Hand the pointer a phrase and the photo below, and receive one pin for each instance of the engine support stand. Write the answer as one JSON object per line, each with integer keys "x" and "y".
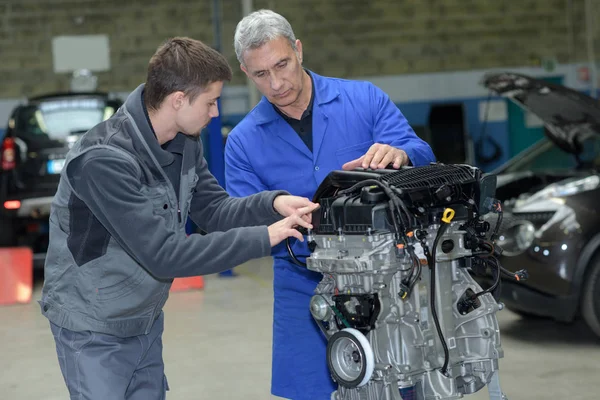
{"x": 494, "y": 387}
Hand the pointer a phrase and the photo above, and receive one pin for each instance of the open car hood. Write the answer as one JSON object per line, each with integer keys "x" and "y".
{"x": 569, "y": 116}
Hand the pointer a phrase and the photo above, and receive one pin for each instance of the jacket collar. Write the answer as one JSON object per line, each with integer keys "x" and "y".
{"x": 325, "y": 91}
{"x": 136, "y": 107}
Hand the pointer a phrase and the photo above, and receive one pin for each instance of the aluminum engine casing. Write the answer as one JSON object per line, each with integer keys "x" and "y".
{"x": 406, "y": 347}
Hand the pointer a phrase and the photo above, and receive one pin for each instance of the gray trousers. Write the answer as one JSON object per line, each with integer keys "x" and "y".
{"x": 99, "y": 366}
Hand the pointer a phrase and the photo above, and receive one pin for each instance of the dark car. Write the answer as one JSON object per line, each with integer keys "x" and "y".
{"x": 551, "y": 200}
{"x": 32, "y": 154}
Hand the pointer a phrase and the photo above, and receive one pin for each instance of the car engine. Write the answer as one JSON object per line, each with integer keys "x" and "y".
{"x": 403, "y": 316}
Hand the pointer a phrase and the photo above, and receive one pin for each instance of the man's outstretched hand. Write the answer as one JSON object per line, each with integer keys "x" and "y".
{"x": 298, "y": 212}
{"x": 287, "y": 205}
{"x": 285, "y": 228}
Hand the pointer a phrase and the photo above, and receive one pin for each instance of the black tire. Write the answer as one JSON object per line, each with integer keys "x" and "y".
{"x": 590, "y": 299}
{"x": 7, "y": 232}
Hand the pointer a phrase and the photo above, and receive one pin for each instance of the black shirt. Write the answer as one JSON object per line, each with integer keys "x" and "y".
{"x": 303, "y": 126}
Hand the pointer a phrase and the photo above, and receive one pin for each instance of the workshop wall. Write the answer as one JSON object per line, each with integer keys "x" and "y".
{"x": 390, "y": 37}
{"x": 421, "y": 52}
{"x": 344, "y": 38}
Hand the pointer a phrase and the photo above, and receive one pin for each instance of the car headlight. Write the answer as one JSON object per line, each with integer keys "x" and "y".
{"x": 517, "y": 237}
{"x": 576, "y": 186}
{"x": 569, "y": 188}
{"x": 550, "y": 198}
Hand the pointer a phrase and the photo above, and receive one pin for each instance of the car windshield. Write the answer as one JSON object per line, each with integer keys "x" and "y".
{"x": 545, "y": 155}
{"x": 59, "y": 118}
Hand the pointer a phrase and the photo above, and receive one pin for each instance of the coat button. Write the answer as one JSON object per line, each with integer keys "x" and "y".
{"x": 317, "y": 168}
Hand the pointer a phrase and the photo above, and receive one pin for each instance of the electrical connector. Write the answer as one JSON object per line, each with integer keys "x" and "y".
{"x": 521, "y": 275}
{"x": 403, "y": 291}
{"x": 493, "y": 205}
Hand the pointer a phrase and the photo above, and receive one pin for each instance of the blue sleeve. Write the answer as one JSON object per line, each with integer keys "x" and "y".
{"x": 391, "y": 127}
{"x": 240, "y": 178}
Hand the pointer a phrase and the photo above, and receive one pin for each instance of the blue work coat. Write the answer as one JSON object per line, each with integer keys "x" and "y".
{"x": 264, "y": 153}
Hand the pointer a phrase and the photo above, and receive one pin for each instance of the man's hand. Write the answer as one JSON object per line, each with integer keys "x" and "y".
{"x": 288, "y": 205}
{"x": 379, "y": 156}
{"x": 285, "y": 228}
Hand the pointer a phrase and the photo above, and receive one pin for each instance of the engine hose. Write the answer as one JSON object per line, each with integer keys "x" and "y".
{"x": 432, "y": 265}
{"x": 395, "y": 201}
{"x": 368, "y": 182}
{"x": 518, "y": 276}
{"x": 400, "y": 203}
{"x": 417, "y": 275}
{"x": 392, "y": 208}
{"x": 498, "y": 223}
{"x": 491, "y": 261}
{"x": 389, "y": 191}
{"x": 291, "y": 253}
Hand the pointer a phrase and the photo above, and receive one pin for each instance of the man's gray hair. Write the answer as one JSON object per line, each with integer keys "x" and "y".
{"x": 259, "y": 27}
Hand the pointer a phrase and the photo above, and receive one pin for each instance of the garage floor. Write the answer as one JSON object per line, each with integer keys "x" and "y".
{"x": 217, "y": 346}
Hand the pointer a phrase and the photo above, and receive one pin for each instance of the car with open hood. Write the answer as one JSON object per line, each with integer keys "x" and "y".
{"x": 550, "y": 195}
{"x": 40, "y": 132}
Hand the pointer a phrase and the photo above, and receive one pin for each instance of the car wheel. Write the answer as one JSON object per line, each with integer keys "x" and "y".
{"x": 7, "y": 234}
{"x": 590, "y": 301}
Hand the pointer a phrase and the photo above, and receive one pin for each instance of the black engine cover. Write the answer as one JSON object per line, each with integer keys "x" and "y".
{"x": 424, "y": 191}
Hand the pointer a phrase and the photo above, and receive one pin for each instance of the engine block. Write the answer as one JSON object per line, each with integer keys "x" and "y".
{"x": 403, "y": 315}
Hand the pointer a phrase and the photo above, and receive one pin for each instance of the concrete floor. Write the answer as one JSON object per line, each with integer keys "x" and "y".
{"x": 217, "y": 345}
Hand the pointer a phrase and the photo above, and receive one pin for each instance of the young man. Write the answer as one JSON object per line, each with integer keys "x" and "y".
{"x": 304, "y": 127}
{"x": 117, "y": 226}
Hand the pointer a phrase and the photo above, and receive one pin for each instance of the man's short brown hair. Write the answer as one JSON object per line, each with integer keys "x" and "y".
{"x": 186, "y": 65}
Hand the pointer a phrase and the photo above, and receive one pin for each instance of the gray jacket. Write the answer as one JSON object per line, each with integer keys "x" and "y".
{"x": 117, "y": 227}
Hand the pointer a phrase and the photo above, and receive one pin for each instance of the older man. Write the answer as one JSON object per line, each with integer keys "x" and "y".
{"x": 304, "y": 127}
